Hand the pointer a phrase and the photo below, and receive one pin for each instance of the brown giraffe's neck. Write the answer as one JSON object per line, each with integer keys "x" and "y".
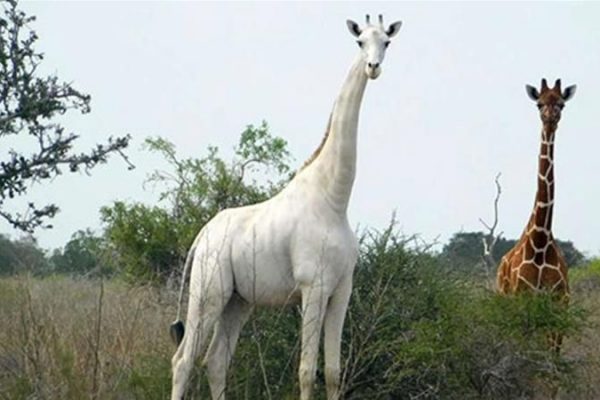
{"x": 541, "y": 218}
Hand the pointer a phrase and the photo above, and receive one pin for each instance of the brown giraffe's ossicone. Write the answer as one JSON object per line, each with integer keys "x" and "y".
{"x": 536, "y": 262}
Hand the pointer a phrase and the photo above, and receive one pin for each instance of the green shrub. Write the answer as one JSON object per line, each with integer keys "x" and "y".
{"x": 417, "y": 331}
{"x": 586, "y": 278}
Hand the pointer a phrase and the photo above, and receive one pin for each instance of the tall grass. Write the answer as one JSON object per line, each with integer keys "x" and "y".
{"x": 67, "y": 339}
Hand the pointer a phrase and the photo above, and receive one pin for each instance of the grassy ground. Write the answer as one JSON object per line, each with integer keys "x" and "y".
{"x": 62, "y": 338}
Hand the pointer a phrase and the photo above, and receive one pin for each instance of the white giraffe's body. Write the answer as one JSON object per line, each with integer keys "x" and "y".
{"x": 295, "y": 247}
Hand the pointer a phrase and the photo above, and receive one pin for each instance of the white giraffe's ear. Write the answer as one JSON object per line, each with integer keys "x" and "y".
{"x": 393, "y": 29}
{"x": 532, "y": 92}
{"x": 568, "y": 93}
{"x": 353, "y": 27}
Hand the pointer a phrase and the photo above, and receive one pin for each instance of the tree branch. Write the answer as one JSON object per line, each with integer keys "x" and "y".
{"x": 491, "y": 238}
{"x": 28, "y": 105}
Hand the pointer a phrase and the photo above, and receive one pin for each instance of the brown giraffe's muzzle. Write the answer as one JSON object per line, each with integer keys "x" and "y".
{"x": 551, "y": 114}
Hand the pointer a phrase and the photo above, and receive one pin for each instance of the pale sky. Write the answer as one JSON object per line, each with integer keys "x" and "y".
{"x": 448, "y": 112}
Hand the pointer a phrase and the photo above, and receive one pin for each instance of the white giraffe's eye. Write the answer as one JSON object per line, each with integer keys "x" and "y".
{"x": 386, "y": 44}
{"x": 360, "y": 44}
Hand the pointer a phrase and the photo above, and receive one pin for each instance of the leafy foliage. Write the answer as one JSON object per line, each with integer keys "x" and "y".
{"x": 573, "y": 256}
{"x": 29, "y": 107}
{"x": 482, "y": 345}
{"x": 146, "y": 240}
{"x": 416, "y": 330}
{"x": 151, "y": 242}
{"x": 586, "y": 278}
{"x": 201, "y": 187}
{"x": 21, "y": 255}
{"x": 84, "y": 254}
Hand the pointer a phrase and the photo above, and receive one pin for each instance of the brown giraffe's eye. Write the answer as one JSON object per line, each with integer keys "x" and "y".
{"x": 539, "y": 105}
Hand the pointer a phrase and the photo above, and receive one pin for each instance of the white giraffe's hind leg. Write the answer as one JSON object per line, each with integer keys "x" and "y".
{"x": 187, "y": 352}
{"x": 206, "y": 304}
{"x": 224, "y": 341}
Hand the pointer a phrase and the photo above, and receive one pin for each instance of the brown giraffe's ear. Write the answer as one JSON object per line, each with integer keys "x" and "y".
{"x": 393, "y": 29}
{"x": 532, "y": 92}
{"x": 353, "y": 27}
{"x": 568, "y": 93}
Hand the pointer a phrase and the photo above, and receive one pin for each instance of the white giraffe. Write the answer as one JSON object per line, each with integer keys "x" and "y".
{"x": 296, "y": 246}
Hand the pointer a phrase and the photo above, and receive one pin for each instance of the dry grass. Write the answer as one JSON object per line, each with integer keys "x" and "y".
{"x": 67, "y": 339}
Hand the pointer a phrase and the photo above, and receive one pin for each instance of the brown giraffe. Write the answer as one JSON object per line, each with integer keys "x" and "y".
{"x": 536, "y": 262}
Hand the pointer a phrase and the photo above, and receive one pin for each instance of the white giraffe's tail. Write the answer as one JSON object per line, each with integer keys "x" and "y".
{"x": 177, "y": 328}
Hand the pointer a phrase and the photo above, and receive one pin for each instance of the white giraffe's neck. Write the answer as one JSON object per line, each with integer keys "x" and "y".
{"x": 334, "y": 168}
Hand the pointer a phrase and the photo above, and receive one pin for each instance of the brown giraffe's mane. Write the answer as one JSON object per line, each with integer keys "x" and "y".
{"x": 316, "y": 153}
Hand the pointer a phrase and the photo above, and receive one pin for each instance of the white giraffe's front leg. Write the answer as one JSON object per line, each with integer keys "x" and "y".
{"x": 333, "y": 325}
{"x": 314, "y": 302}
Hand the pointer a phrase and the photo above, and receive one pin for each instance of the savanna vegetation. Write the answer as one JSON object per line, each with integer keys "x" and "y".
{"x": 90, "y": 319}
{"x": 414, "y": 330}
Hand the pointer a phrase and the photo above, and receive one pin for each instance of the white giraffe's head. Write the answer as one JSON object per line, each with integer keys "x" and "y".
{"x": 373, "y": 41}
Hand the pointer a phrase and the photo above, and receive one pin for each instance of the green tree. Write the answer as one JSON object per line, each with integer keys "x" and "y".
{"x": 573, "y": 256}
{"x": 84, "y": 254}
{"x": 29, "y": 108}
{"x": 21, "y": 255}
{"x": 146, "y": 240}
{"x": 464, "y": 252}
{"x": 151, "y": 241}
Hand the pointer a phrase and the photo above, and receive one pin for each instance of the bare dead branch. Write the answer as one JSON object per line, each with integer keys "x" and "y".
{"x": 491, "y": 238}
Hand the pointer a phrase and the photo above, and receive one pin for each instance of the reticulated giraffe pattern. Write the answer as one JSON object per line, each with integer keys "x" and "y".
{"x": 536, "y": 262}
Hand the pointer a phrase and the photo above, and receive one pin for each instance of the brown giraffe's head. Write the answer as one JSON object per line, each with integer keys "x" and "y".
{"x": 550, "y": 101}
